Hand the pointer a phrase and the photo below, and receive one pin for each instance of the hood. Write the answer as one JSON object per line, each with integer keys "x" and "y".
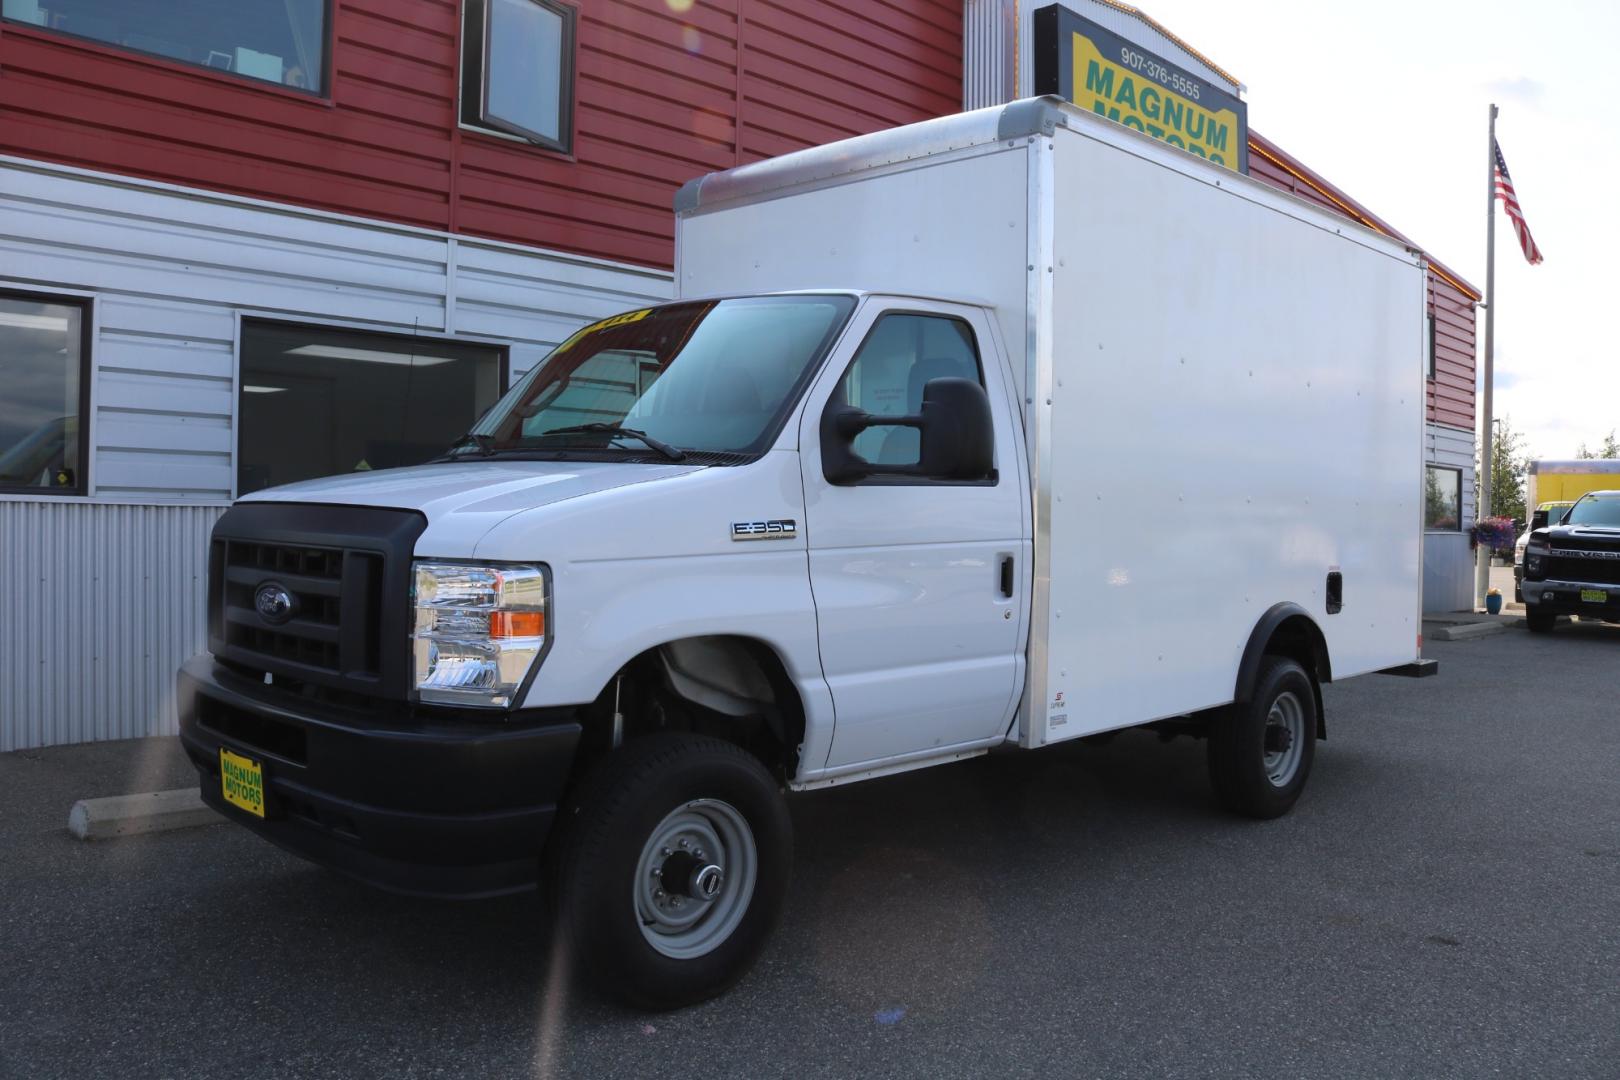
{"x": 479, "y": 492}
{"x": 1596, "y": 536}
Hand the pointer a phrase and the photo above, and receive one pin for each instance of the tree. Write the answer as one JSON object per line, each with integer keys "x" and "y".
{"x": 1610, "y": 449}
{"x": 1509, "y": 463}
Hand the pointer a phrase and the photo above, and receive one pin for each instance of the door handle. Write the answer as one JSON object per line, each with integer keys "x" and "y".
{"x": 1006, "y": 575}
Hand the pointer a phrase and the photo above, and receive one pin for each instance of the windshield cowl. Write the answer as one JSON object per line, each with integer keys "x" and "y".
{"x": 622, "y": 455}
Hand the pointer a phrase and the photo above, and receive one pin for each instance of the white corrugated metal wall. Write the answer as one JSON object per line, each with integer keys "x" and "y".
{"x": 101, "y": 597}
{"x": 989, "y": 55}
{"x": 100, "y": 603}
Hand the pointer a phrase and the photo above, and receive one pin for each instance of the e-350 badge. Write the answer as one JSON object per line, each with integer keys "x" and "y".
{"x": 780, "y": 529}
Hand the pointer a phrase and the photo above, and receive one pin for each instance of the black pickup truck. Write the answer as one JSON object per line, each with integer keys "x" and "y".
{"x": 1574, "y": 568}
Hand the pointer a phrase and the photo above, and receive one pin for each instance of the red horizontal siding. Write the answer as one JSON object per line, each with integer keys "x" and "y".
{"x": 378, "y": 149}
{"x": 1451, "y": 390}
{"x": 661, "y": 97}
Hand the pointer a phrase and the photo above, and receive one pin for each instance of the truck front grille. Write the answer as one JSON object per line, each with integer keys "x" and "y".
{"x": 314, "y": 578}
{"x": 337, "y": 579}
{"x": 1599, "y": 571}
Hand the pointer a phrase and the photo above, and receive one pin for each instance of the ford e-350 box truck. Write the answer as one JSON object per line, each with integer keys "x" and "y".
{"x": 987, "y": 432}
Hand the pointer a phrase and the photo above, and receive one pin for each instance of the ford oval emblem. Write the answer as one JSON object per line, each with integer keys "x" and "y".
{"x": 274, "y": 602}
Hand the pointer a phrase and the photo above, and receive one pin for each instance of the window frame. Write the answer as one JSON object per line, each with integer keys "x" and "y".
{"x": 472, "y": 113}
{"x": 247, "y": 320}
{"x": 86, "y": 306}
{"x": 837, "y": 397}
{"x": 1429, "y": 466}
{"x": 323, "y": 96}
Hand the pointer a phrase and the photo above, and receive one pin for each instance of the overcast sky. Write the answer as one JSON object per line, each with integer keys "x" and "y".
{"x": 1388, "y": 99}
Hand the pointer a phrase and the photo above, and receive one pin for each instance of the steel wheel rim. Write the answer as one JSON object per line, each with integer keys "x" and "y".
{"x": 1285, "y": 722}
{"x": 697, "y": 836}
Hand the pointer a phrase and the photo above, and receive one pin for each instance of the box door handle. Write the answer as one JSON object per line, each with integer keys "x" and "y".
{"x": 1006, "y": 575}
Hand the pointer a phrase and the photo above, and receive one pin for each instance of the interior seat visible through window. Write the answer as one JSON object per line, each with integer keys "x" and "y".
{"x": 902, "y": 354}
{"x": 903, "y": 445}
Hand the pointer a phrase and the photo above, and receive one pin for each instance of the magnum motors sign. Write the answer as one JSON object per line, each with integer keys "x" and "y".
{"x": 1101, "y": 71}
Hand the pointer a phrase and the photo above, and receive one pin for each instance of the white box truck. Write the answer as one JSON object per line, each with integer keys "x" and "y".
{"x": 984, "y": 433}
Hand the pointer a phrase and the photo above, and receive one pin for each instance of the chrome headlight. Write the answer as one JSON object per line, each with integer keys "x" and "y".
{"x": 478, "y": 631}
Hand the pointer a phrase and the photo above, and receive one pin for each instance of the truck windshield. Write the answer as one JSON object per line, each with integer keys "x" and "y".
{"x": 710, "y": 376}
{"x": 1599, "y": 510}
{"x": 1556, "y": 511}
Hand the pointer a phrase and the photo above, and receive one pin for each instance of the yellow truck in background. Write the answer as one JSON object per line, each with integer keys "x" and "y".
{"x": 1550, "y": 489}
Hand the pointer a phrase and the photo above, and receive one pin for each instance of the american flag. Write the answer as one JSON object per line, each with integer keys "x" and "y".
{"x": 1510, "y": 203}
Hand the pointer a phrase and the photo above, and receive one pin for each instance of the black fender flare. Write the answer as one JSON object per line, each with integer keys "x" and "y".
{"x": 1306, "y": 644}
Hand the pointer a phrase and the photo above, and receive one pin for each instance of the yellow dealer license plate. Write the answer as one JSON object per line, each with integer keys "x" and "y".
{"x": 242, "y": 781}
{"x": 1595, "y": 596}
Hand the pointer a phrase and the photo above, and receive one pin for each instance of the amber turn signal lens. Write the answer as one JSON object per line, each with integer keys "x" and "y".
{"x": 513, "y": 624}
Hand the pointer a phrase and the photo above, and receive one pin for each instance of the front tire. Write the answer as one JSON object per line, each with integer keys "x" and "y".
{"x": 674, "y": 863}
{"x": 1539, "y": 622}
{"x": 1261, "y": 750}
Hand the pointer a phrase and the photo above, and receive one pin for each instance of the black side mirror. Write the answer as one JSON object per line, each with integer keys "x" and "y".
{"x": 958, "y": 433}
{"x": 1538, "y": 520}
{"x": 955, "y": 428}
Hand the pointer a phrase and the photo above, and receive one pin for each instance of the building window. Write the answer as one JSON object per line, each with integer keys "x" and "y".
{"x": 44, "y": 387}
{"x": 1442, "y": 499}
{"x": 316, "y": 401}
{"x": 517, "y": 69}
{"x": 274, "y": 41}
{"x": 1431, "y": 346}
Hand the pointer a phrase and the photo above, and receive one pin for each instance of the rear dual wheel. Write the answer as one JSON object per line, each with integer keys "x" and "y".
{"x": 673, "y": 862}
{"x": 1261, "y": 750}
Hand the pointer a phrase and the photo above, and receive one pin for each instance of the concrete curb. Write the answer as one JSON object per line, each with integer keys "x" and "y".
{"x": 1466, "y": 631}
{"x": 130, "y": 815}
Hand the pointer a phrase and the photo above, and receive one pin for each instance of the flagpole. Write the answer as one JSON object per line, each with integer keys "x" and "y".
{"x": 1482, "y": 557}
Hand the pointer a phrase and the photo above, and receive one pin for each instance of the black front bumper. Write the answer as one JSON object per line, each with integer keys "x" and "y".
{"x": 454, "y": 807}
{"x": 1564, "y": 598}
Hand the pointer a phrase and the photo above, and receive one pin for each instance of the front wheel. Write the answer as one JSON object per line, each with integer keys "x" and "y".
{"x": 1539, "y": 622}
{"x": 672, "y": 869}
{"x": 1260, "y": 751}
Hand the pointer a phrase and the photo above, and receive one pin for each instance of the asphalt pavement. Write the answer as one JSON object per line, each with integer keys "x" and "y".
{"x": 1444, "y": 901}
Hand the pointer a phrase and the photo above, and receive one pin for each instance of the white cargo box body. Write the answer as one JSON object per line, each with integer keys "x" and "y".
{"x": 1222, "y": 385}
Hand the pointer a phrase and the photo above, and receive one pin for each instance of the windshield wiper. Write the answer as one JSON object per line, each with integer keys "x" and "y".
{"x": 484, "y": 443}
{"x": 618, "y": 429}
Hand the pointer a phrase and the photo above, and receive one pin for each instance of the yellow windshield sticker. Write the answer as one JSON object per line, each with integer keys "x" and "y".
{"x": 620, "y": 320}
{"x": 606, "y": 324}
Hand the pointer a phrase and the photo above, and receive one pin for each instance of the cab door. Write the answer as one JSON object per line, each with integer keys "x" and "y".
{"x": 919, "y": 583}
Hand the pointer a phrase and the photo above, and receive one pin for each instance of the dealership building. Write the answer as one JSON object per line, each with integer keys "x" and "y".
{"x": 248, "y": 242}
